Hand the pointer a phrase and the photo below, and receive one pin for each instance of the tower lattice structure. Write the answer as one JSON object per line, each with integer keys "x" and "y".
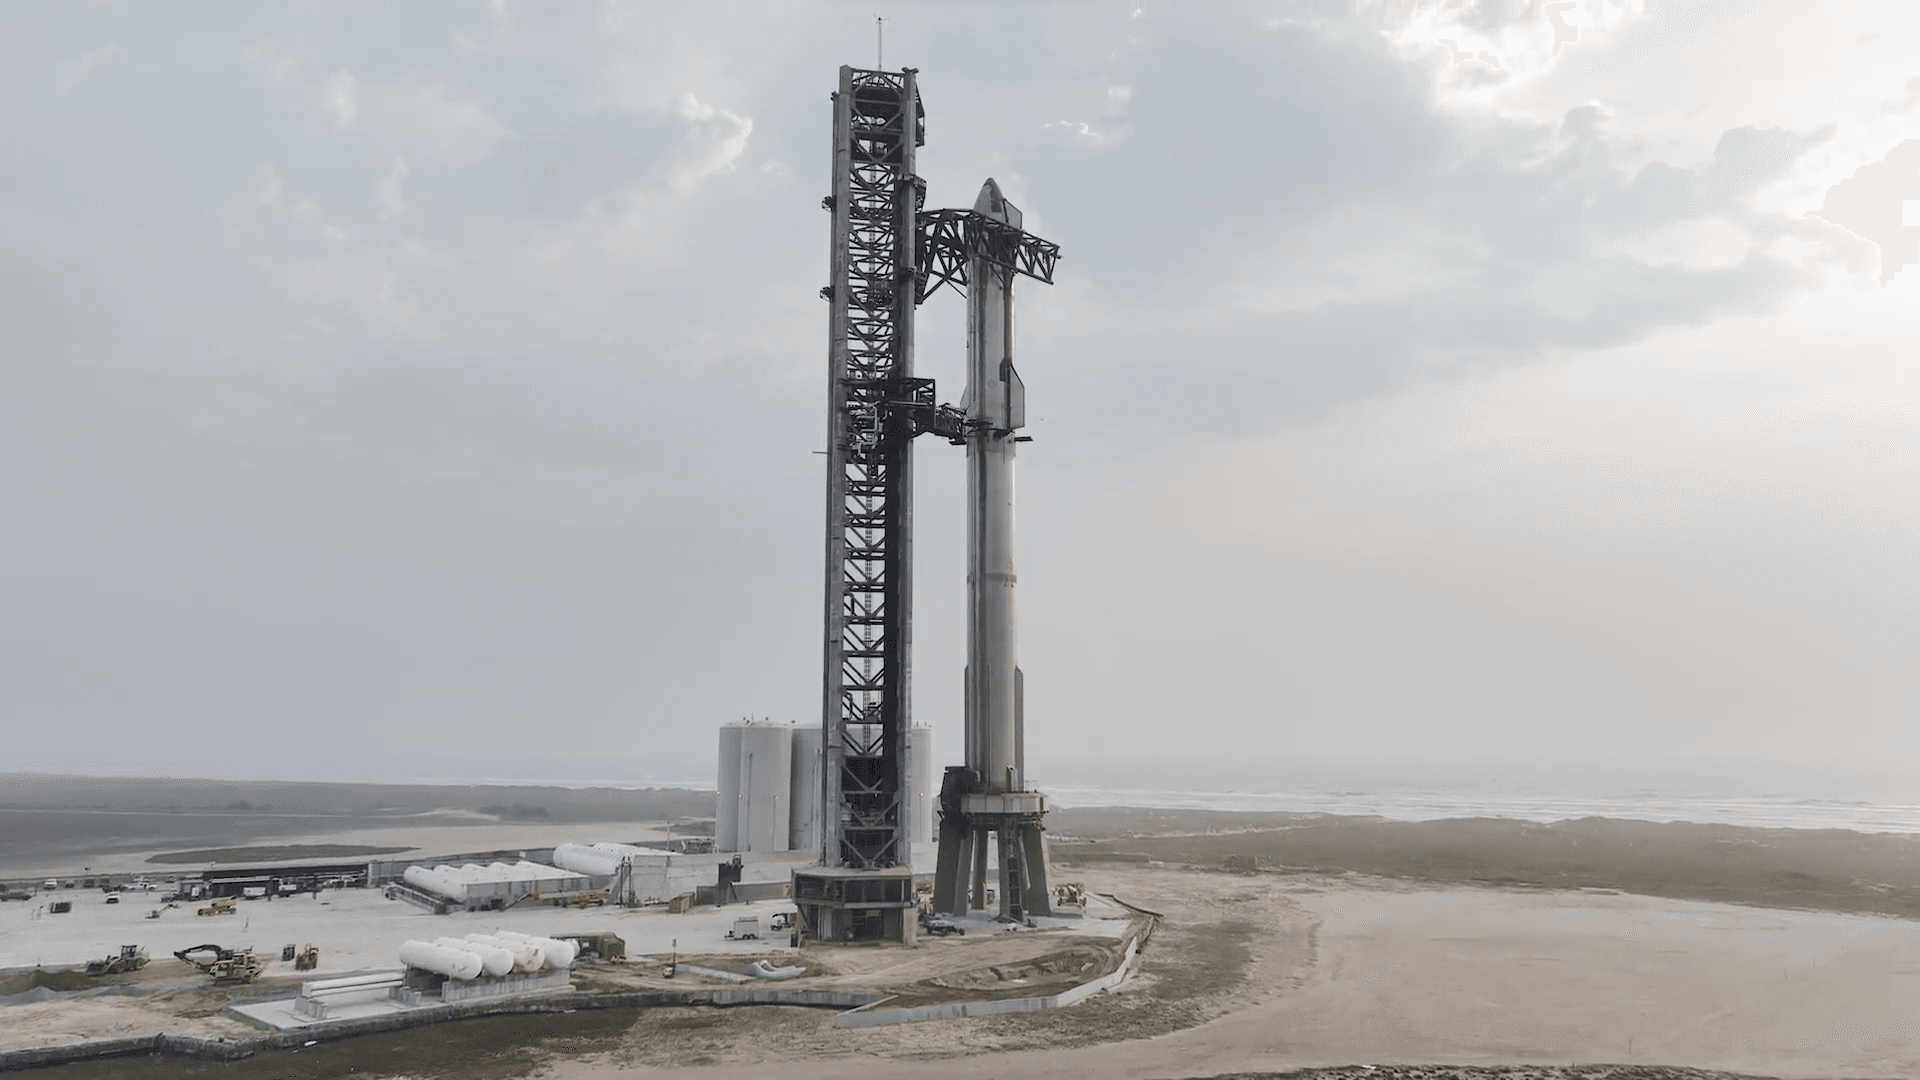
{"x": 887, "y": 256}
{"x": 877, "y": 126}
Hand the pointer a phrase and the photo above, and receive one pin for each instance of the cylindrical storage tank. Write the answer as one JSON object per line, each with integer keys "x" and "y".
{"x": 923, "y": 798}
{"x": 436, "y": 882}
{"x": 494, "y": 960}
{"x": 559, "y": 953}
{"x": 766, "y": 771}
{"x": 726, "y": 819}
{"x": 586, "y": 860}
{"x": 803, "y": 791}
{"x": 526, "y": 955}
{"x": 453, "y": 963}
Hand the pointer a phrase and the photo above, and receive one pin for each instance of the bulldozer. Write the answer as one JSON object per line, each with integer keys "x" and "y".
{"x": 221, "y": 905}
{"x": 224, "y": 965}
{"x": 130, "y": 958}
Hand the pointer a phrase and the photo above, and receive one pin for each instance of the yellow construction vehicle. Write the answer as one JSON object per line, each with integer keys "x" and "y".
{"x": 307, "y": 958}
{"x": 224, "y": 965}
{"x": 221, "y": 905}
{"x": 131, "y": 958}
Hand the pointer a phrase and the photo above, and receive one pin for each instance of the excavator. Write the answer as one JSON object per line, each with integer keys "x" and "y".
{"x": 223, "y": 965}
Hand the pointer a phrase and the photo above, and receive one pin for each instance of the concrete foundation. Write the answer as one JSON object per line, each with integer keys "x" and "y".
{"x": 837, "y": 904}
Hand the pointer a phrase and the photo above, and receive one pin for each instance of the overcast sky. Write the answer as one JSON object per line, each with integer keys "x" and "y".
{"x": 431, "y": 389}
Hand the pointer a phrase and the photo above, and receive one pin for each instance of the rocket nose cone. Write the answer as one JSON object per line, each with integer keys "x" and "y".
{"x": 995, "y": 205}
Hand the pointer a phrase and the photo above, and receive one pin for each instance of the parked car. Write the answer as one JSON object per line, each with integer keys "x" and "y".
{"x": 113, "y": 898}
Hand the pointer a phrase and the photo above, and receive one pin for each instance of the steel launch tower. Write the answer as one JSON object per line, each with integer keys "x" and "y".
{"x": 887, "y": 256}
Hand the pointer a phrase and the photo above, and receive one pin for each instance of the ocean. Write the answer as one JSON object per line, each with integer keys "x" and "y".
{"x": 1416, "y": 803}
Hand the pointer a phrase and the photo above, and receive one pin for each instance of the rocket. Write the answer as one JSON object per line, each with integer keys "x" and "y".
{"x": 990, "y": 794}
{"x": 995, "y": 405}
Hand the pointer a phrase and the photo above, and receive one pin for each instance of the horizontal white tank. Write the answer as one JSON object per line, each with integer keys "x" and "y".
{"x": 453, "y": 963}
{"x": 559, "y": 953}
{"x": 436, "y": 881}
{"x": 523, "y": 956}
{"x": 586, "y": 860}
{"x": 494, "y": 960}
{"x": 456, "y": 882}
{"x": 627, "y": 851}
{"x": 803, "y": 790}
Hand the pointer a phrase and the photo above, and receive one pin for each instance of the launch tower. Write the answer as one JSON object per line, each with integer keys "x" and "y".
{"x": 887, "y": 256}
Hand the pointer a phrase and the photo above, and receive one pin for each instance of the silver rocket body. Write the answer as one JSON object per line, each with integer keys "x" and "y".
{"x": 995, "y": 406}
{"x": 996, "y": 799}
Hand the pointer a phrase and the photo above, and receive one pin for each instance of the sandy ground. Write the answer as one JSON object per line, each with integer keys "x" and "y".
{"x": 1343, "y": 972}
{"x": 1249, "y": 973}
{"x": 485, "y": 835}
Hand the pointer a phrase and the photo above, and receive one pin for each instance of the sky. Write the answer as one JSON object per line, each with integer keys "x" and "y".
{"x": 433, "y": 390}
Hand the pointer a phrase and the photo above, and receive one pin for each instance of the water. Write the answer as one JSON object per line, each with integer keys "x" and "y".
{"x": 1435, "y": 802}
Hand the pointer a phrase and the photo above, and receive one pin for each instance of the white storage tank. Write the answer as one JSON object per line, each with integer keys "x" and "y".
{"x": 586, "y": 860}
{"x": 765, "y": 776}
{"x": 726, "y": 819}
{"x": 803, "y": 793}
{"x": 923, "y": 793}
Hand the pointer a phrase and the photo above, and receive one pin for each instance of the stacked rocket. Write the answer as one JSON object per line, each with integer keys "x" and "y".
{"x": 989, "y": 794}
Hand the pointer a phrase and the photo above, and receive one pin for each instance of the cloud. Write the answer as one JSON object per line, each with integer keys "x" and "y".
{"x": 1474, "y": 46}
{"x": 614, "y": 154}
{"x": 714, "y": 142}
{"x": 419, "y": 116}
{"x": 390, "y": 197}
{"x": 390, "y": 352}
{"x": 1686, "y": 547}
{"x": 1873, "y": 204}
{"x": 76, "y": 74}
{"x": 1351, "y": 235}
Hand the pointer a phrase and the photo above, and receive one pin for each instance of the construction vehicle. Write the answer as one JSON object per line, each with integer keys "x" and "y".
{"x": 941, "y": 926}
{"x": 131, "y": 958}
{"x": 221, "y": 905}
{"x": 307, "y": 958}
{"x": 223, "y": 965}
{"x": 574, "y": 898}
{"x": 597, "y": 946}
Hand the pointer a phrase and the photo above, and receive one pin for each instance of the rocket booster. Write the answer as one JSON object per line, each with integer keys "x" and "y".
{"x": 995, "y": 408}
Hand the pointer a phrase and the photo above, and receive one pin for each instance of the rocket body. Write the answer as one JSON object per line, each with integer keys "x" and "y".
{"x": 994, "y": 801}
{"x": 995, "y": 408}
